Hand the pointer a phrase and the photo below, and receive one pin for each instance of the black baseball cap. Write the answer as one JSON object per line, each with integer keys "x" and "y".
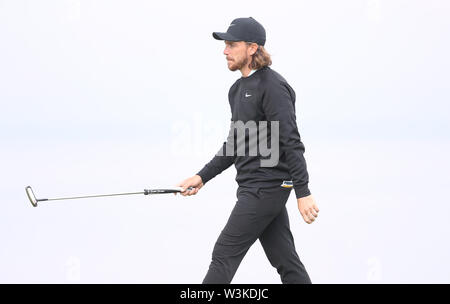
{"x": 243, "y": 29}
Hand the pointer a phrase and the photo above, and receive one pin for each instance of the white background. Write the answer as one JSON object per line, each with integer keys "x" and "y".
{"x": 117, "y": 96}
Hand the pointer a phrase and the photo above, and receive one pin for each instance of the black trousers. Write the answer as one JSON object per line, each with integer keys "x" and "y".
{"x": 259, "y": 213}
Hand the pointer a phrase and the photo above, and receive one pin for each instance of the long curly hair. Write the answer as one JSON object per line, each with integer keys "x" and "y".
{"x": 260, "y": 59}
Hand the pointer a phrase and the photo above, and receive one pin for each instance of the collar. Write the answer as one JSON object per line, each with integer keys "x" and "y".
{"x": 251, "y": 72}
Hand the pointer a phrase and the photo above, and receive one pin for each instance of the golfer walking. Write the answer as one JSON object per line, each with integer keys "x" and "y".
{"x": 260, "y": 95}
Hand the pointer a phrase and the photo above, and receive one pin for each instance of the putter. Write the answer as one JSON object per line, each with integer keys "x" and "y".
{"x": 34, "y": 201}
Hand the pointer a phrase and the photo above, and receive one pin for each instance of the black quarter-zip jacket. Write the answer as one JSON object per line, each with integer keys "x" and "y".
{"x": 264, "y": 96}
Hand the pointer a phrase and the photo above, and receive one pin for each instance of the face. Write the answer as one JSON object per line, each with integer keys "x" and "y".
{"x": 238, "y": 54}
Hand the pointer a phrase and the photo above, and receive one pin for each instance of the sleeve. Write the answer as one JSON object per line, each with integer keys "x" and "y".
{"x": 278, "y": 105}
{"x": 223, "y": 159}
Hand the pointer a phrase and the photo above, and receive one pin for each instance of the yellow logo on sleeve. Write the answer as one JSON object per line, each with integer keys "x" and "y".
{"x": 287, "y": 184}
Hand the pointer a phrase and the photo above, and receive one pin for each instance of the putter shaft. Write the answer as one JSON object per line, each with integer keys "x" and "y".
{"x": 86, "y": 196}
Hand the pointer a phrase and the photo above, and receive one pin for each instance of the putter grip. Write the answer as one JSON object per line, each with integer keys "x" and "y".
{"x": 162, "y": 191}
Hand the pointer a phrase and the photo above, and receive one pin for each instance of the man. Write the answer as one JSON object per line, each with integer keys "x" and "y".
{"x": 260, "y": 95}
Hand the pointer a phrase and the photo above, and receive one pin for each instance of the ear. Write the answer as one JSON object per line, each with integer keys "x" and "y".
{"x": 252, "y": 49}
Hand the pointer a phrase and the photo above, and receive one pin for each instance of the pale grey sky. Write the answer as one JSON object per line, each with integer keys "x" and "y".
{"x": 111, "y": 96}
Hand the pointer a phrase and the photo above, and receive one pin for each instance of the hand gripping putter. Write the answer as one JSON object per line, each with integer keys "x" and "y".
{"x": 34, "y": 201}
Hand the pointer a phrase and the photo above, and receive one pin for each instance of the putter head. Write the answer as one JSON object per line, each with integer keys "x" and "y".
{"x": 31, "y": 196}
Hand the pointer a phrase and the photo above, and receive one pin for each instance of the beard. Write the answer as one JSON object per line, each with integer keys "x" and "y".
{"x": 237, "y": 65}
